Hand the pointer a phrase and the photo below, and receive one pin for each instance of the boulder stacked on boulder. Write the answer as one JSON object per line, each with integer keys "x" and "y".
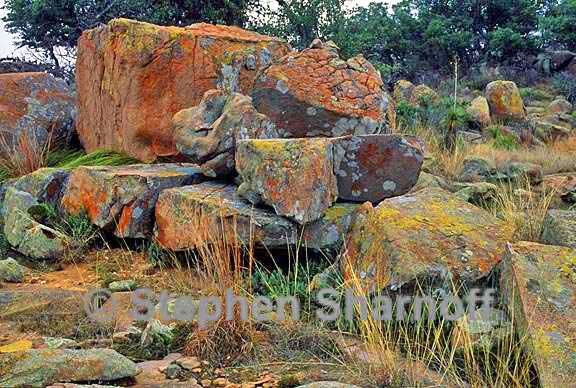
{"x": 132, "y": 77}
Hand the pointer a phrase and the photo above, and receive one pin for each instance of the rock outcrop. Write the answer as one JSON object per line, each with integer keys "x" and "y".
{"x": 430, "y": 236}
{"x": 122, "y": 199}
{"x": 207, "y": 134}
{"x": 537, "y": 286}
{"x": 35, "y": 107}
{"x": 314, "y": 93}
{"x": 132, "y": 77}
{"x": 504, "y": 100}
{"x": 190, "y": 216}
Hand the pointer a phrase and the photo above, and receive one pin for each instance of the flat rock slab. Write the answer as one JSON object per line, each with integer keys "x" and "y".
{"x": 39, "y": 368}
{"x": 122, "y": 199}
{"x": 293, "y": 176}
{"x": 132, "y": 77}
{"x": 187, "y": 217}
{"x": 431, "y": 236}
{"x": 538, "y": 285}
{"x": 375, "y": 167}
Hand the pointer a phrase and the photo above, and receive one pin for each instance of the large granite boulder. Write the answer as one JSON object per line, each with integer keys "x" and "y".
{"x": 188, "y": 217}
{"x": 537, "y": 285}
{"x": 122, "y": 199}
{"x": 375, "y": 167}
{"x": 207, "y": 133}
{"x": 37, "y": 106}
{"x": 293, "y": 176}
{"x": 504, "y": 100}
{"x": 313, "y": 92}
{"x": 132, "y": 77}
{"x": 43, "y": 367}
{"x": 430, "y": 236}
{"x": 24, "y": 233}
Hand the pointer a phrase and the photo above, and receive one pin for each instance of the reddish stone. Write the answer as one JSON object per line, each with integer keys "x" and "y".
{"x": 132, "y": 77}
{"x": 315, "y": 93}
{"x": 375, "y": 167}
{"x": 36, "y": 104}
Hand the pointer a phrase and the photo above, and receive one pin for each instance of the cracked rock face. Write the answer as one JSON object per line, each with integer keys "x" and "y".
{"x": 122, "y": 199}
{"x": 314, "y": 93}
{"x": 35, "y": 104}
{"x": 187, "y": 217}
{"x": 132, "y": 77}
{"x": 431, "y": 236}
{"x": 294, "y": 176}
{"x": 207, "y": 134}
{"x": 375, "y": 167}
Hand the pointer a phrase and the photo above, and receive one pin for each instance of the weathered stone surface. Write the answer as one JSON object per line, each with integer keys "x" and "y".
{"x": 329, "y": 232}
{"x": 122, "y": 199}
{"x": 39, "y": 368}
{"x": 11, "y": 271}
{"x": 403, "y": 91}
{"x": 476, "y": 193}
{"x": 480, "y": 111}
{"x": 424, "y": 94}
{"x": 37, "y": 105}
{"x": 476, "y": 169}
{"x": 374, "y": 167}
{"x": 294, "y": 176}
{"x": 537, "y": 286}
{"x": 560, "y": 105}
{"x": 560, "y": 228}
{"x": 314, "y": 93}
{"x": 429, "y": 236}
{"x": 564, "y": 186}
{"x": 504, "y": 100}
{"x": 515, "y": 171}
{"x": 328, "y": 384}
{"x": 25, "y": 234}
{"x": 133, "y": 77}
{"x": 186, "y": 216}
{"x": 207, "y": 134}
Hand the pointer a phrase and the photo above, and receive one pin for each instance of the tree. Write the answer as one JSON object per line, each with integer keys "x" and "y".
{"x": 558, "y": 25}
{"x": 47, "y": 25}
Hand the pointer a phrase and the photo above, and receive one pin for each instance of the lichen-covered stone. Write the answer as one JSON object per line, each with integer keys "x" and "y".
{"x": 404, "y": 91}
{"x": 477, "y": 193}
{"x": 24, "y": 233}
{"x": 563, "y": 185}
{"x": 428, "y": 236}
{"x": 314, "y": 92}
{"x": 36, "y": 105}
{"x": 560, "y": 228}
{"x": 504, "y": 100}
{"x": 424, "y": 94}
{"x": 207, "y": 134}
{"x": 294, "y": 176}
{"x": 517, "y": 171}
{"x": 330, "y": 231}
{"x": 122, "y": 199}
{"x": 374, "y": 167}
{"x": 476, "y": 169}
{"x": 480, "y": 111}
{"x": 11, "y": 271}
{"x": 538, "y": 286}
{"x": 187, "y": 217}
{"x": 43, "y": 367}
{"x": 133, "y": 77}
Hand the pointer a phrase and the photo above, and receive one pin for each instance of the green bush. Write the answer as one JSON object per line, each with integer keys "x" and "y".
{"x": 503, "y": 140}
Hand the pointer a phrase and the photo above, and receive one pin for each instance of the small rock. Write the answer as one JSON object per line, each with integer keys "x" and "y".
{"x": 480, "y": 111}
{"x": 560, "y": 105}
{"x": 11, "y": 271}
{"x": 173, "y": 371}
{"x": 560, "y": 228}
{"x": 475, "y": 169}
{"x": 122, "y": 286}
{"x": 189, "y": 363}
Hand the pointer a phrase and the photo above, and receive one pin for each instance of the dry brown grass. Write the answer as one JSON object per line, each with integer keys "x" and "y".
{"x": 26, "y": 155}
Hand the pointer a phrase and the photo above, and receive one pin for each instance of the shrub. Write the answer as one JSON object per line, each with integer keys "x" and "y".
{"x": 566, "y": 85}
{"x": 503, "y": 140}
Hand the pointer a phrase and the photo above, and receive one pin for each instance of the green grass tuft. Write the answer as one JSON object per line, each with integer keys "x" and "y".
{"x": 73, "y": 159}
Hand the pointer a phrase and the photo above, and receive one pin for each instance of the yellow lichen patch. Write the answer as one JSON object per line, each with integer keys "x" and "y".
{"x": 17, "y": 346}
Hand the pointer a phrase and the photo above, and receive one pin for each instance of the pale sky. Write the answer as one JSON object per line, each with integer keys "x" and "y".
{"x": 7, "y": 46}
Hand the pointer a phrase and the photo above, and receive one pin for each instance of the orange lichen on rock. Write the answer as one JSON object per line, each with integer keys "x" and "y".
{"x": 132, "y": 77}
